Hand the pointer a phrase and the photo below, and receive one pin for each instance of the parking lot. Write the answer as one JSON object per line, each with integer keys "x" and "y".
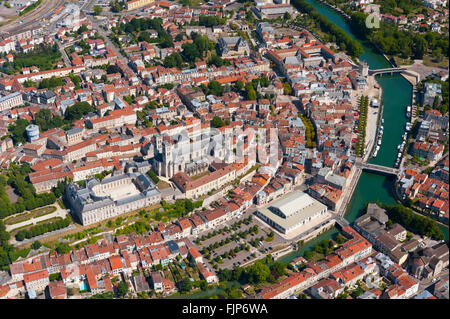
{"x": 241, "y": 257}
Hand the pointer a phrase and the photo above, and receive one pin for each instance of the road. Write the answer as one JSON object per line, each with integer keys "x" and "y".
{"x": 426, "y": 283}
{"x": 109, "y": 44}
{"x": 64, "y": 55}
{"x": 347, "y": 193}
{"x": 59, "y": 212}
{"x": 53, "y": 233}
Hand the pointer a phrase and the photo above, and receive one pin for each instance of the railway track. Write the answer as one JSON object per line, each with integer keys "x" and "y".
{"x": 31, "y": 18}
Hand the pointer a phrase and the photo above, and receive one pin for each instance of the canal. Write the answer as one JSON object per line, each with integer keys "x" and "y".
{"x": 397, "y": 92}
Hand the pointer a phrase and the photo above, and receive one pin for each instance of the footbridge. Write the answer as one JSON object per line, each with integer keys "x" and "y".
{"x": 387, "y": 70}
{"x": 378, "y": 169}
{"x": 341, "y": 221}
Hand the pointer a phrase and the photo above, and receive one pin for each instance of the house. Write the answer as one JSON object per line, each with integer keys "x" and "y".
{"x": 140, "y": 283}
{"x": 232, "y": 47}
{"x": 198, "y": 258}
{"x": 157, "y": 282}
{"x": 57, "y": 290}
{"x": 326, "y": 289}
{"x": 36, "y": 281}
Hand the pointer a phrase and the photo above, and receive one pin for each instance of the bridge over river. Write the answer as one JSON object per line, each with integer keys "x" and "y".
{"x": 378, "y": 168}
{"x": 387, "y": 70}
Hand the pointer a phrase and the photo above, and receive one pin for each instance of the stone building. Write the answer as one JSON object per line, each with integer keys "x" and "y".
{"x": 111, "y": 197}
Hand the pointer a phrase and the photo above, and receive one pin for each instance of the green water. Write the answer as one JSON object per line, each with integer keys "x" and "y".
{"x": 330, "y": 234}
{"x": 371, "y": 188}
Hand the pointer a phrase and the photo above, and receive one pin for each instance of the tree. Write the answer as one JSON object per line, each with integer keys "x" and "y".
{"x": 258, "y": 272}
{"x": 36, "y": 245}
{"x": 215, "y": 88}
{"x": 173, "y": 60}
{"x": 75, "y": 112}
{"x": 239, "y": 85}
{"x": 203, "y": 285}
{"x": 44, "y": 119}
{"x": 190, "y": 52}
{"x": 216, "y": 60}
{"x": 185, "y": 285}
{"x": 287, "y": 90}
{"x": 122, "y": 289}
{"x": 278, "y": 268}
{"x": 97, "y": 10}
{"x": 18, "y": 132}
{"x": 63, "y": 248}
{"x": 112, "y": 69}
{"x": 153, "y": 176}
{"x": 217, "y": 122}
{"x": 251, "y": 93}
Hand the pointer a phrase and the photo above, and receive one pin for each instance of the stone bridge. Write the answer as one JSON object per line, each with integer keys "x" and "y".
{"x": 378, "y": 169}
{"x": 387, "y": 70}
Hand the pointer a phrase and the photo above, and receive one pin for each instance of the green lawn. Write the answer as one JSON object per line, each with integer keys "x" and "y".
{"x": 33, "y": 214}
{"x": 431, "y": 61}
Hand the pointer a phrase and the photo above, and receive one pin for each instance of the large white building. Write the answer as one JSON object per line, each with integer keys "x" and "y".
{"x": 9, "y": 101}
{"x": 111, "y": 197}
{"x": 291, "y": 212}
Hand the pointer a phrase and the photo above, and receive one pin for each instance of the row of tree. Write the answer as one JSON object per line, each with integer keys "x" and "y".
{"x": 135, "y": 26}
{"x": 28, "y": 199}
{"x": 418, "y": 224}
{"x": 42, "y": 229}
{"x": 393, "y": 41}
{"x": 361, "y": 139}
{"x": 258, "y": 273}
{"x": 310, "y": 132}
{"x": 351, "y": 46}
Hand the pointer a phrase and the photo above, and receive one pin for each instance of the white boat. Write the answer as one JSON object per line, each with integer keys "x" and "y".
{"x": 379, "y": 142}
{"x": 378, "y": 148}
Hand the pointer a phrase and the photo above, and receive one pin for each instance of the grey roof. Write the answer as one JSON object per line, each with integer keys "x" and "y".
{"x": 173, "y": 247}
{"x": 74, "y": 130}
{"x": 292, "y": 209}
{"x": 85, "y": 199}
{"x": 336, "y": 179}
{"x": 377, "y": 213}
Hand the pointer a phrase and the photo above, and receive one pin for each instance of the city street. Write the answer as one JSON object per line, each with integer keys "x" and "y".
{"x": 427, "y": 283}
